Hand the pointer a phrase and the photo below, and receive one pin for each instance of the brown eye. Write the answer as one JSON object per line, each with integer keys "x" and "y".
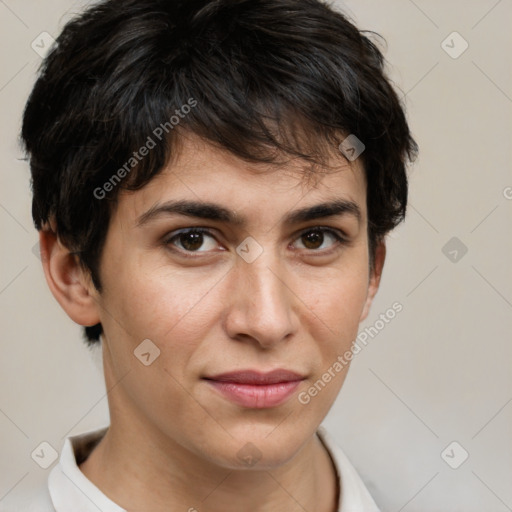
{"x": 191, "y": 240}
{"x": 314, "y": 239}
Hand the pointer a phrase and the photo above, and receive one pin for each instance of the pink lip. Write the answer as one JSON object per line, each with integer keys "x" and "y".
{"x": 256, "y": 390}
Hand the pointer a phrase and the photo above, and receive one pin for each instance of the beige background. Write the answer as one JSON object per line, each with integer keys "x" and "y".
{"x": 439, "y": 372}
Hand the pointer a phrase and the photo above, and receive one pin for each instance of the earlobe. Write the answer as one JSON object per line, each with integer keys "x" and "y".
{"x": 373, "y": 286}
{"x": 67, "y": 280}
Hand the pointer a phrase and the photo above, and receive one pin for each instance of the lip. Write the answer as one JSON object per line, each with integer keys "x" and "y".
{"x": 254, "y": 389}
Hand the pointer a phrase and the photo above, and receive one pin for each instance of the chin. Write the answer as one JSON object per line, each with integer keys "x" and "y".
{"x": 260, "y": 448}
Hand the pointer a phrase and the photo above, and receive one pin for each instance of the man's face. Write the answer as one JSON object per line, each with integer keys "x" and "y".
{"x": 291, "y": 297}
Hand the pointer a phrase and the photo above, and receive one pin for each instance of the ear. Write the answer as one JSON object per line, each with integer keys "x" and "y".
{"x": 373, "y": 286}
{"x": 67, "y": 280}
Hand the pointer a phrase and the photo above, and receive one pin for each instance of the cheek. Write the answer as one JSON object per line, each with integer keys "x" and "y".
{"x": 338, "y": 300}
{"x": 154, "y": 301}
{"x": 166, "y": 307}
{"x": 172, "y": 308}
{"x": 336, "y": 314}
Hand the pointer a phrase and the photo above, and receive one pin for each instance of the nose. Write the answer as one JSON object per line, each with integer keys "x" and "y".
{"x": 261, "y": 307}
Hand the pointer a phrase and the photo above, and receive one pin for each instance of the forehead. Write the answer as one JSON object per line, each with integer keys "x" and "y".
{"x": 201, "y": 172}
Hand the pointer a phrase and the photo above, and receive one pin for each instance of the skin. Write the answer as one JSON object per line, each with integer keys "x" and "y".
{"x": 173, "y": 439}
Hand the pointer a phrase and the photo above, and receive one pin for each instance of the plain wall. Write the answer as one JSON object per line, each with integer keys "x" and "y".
{"x": 439, "y": 372}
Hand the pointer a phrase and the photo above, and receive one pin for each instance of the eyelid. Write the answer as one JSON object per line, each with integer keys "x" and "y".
{"x": 325, "y": 229}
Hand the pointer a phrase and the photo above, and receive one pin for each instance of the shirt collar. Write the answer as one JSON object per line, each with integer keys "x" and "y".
{"x": 69, "y": 488}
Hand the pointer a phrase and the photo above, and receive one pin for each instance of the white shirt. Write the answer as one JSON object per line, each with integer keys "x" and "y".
{"x": 68, "y": 489}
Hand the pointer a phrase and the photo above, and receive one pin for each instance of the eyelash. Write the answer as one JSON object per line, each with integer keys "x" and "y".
{"x": 340, "y": 239}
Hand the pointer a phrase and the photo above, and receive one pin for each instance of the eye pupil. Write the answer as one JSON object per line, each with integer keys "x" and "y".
{"x": 311, "y": 239}
{"x": 196, "y": 240}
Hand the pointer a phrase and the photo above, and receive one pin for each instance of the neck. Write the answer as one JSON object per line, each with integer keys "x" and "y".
{"x": 157, "y": 476}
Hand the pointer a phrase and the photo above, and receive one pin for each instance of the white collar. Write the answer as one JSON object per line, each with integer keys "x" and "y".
{"x": 69, "y": 488}
{"x": 355, "y": 497}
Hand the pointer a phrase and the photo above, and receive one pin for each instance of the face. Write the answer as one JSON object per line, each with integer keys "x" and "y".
{"x": 245, "y": 288}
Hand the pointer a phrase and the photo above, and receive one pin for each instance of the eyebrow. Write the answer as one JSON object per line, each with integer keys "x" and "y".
{"x": 215, "y": 212}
